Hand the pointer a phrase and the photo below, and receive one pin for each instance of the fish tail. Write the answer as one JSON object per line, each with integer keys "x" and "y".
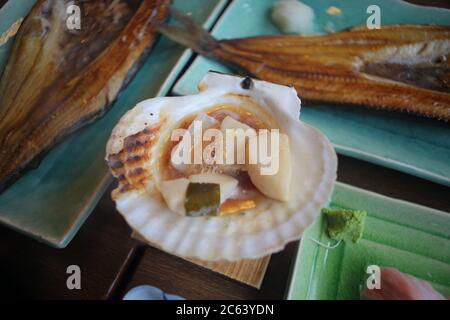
{"x": 190, "y": 34}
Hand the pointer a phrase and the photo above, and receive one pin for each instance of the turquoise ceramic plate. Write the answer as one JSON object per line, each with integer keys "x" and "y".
{"x": 413, "y": 145}
{"x": 51, "y": 202}
{"x": 411, "y": 238}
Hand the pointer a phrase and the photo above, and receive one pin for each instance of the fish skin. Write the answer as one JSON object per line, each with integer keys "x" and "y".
{"x": 330, "y": 68}
{"x": 57, "y": 81}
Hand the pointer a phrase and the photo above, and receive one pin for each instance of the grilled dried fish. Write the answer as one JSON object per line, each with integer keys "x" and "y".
{"x": 402, "y": 68}
{"x": 58, "y": 80}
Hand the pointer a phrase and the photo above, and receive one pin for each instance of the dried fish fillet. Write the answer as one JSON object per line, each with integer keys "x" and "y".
{"x": 58, "y": 80}
{"x": 403, "y": 68}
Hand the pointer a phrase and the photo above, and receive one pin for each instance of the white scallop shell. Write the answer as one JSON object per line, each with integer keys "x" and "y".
{"x": 247, "y": 236}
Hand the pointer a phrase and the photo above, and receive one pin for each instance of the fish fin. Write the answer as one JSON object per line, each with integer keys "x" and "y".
{"x": 190, "y": 34}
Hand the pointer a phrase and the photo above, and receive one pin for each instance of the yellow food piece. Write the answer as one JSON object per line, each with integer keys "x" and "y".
{"x": 334, "y": 11}
{"x": 11, "y": 32}
{"x": 236, "y": 206}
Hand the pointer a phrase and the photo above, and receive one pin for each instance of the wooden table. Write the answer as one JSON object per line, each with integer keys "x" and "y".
{"x": 111, "y": 262}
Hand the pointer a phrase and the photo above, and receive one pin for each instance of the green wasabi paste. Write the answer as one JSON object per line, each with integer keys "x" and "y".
{"x": 343, "y": 224}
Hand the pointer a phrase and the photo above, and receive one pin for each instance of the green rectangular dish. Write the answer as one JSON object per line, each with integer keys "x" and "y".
{"x": 409, "y": 237}
{"x": 51, "y": 202}
{"x": 414, "y": 145}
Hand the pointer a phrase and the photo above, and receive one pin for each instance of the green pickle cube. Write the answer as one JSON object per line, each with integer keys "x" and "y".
{"x": 202, "y": 199}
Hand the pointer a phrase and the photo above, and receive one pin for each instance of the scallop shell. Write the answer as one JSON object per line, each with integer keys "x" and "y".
{"x": 136, "y": 145}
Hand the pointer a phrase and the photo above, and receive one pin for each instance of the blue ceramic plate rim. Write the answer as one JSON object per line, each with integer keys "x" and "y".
{"x": 392, "y": 164}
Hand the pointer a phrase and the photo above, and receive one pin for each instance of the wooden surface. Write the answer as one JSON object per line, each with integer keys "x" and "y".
{"x": 177, "y": 276}
{"x": 111, "y": 262}
{"x": 102, "y": 249}
{"x": 250, "y": 272}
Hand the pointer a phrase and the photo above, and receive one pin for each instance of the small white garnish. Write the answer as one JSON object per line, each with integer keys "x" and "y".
{"x": 326, "y": 246}
{"x": 292, "y": 16}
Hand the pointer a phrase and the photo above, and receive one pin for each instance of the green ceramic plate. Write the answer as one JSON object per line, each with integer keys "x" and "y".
{"x": 51, "y": 202}
{"x": 411, "y": 238}
{"x": 413, "y": 145}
